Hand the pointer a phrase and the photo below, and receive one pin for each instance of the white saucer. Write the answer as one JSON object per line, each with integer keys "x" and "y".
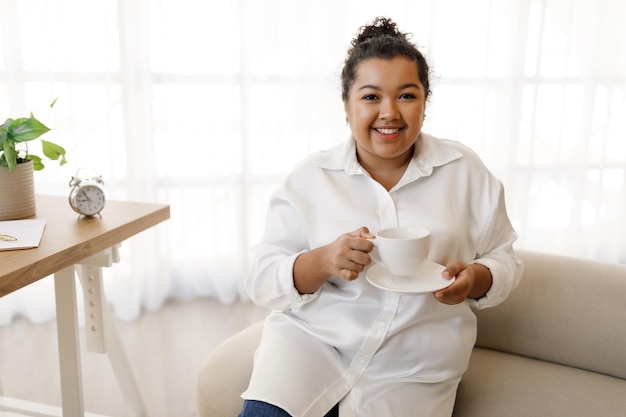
{"x": 427, "y": 280}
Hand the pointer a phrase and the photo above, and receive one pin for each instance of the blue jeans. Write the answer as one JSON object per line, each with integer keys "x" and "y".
{"x": 260, "y": 409}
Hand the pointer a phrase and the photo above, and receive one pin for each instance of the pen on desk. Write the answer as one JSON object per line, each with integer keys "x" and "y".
{"x": 7, "y": 238}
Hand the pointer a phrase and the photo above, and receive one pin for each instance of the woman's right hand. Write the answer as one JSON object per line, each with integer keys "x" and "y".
{"x": 346, "y": 257}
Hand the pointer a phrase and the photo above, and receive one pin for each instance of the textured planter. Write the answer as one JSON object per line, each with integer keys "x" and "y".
{"x": 17, "y": 192}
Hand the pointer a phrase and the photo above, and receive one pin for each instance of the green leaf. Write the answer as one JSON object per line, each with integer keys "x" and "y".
{"x": 3, "y": 136}
{"x": 10, "y": 154}
{"x": 7, "y": 123}
{"x": 37, "y": 163}
{"x": 53, "y": 151}
{"x": 26, "y": 129}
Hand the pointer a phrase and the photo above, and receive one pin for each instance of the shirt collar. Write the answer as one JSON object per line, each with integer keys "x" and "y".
{"x": 430, "y": 153}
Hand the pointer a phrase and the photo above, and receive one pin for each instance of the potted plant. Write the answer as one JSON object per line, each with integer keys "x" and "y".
{"x": 17, "y": 163}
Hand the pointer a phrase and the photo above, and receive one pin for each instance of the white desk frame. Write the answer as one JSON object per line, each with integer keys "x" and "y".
{"x": 101, "y": 337}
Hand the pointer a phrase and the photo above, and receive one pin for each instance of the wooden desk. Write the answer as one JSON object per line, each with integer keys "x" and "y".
{"x": 84, "y": 246}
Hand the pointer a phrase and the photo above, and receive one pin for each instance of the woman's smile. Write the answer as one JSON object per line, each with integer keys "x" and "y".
{"x": 388, "y": 134}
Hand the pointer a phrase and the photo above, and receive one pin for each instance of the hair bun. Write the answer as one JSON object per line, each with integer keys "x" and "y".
{"x": 381, "y": 26}
{"x": 381, "y": 39}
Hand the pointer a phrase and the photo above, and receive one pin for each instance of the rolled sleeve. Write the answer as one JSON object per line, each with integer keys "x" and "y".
{"x": 504, "y": 279}
{"x": 269, "y": 283}
{"x": 294, "y": 299}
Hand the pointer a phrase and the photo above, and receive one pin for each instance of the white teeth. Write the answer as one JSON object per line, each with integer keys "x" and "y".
{"x": 388, "y": 131}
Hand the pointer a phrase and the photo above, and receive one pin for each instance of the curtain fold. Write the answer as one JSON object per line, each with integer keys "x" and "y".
{"x": 207, "y": 105}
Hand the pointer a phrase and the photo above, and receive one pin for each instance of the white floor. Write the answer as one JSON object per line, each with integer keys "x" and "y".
{"x": 166, "y": 349}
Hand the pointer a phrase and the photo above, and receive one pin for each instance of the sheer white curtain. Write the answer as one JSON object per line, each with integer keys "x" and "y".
{"x": 207, "y": 105}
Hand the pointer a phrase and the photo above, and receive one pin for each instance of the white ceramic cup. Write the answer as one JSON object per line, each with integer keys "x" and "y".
{"x": 401, "y": 250}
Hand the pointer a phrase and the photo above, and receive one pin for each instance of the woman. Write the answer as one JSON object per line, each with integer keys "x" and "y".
{"x": 334, "y": 343}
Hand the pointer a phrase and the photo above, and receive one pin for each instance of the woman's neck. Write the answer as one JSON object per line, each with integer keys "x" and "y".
{"x": 387, "y": 172}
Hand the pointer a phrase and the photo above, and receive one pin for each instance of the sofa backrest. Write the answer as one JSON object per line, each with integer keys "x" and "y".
{"x": 565, "y": 310}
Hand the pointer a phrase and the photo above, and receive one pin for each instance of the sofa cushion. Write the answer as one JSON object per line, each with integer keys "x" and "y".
{"x": 505, "y": 385}
{"x": 565, "y": 310}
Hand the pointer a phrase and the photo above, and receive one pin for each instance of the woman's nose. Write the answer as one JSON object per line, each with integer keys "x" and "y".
{"x": 389, "y": 110}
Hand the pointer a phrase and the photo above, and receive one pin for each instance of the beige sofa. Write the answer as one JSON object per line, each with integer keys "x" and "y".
{"x": 555, "y": 348}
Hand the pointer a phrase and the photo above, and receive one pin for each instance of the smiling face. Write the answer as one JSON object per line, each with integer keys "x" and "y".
{"x": 385, "y": 109}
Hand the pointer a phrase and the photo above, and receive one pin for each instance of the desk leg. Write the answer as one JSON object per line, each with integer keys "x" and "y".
{"x": 69, "y": 348}
{"x": 103, "y": 337}
{"x": 121, "y": 365}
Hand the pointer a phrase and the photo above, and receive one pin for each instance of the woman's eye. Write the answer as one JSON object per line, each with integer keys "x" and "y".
{"x": 370, "y": 97}
{"x": 407, "y": 96}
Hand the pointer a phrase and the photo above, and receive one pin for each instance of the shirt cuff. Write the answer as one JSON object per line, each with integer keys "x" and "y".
{"x": 499, "y": 290}
{"x": 296, "y": 300}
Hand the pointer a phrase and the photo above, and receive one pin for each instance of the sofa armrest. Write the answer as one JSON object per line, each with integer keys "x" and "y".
{"x": 226, "y": 372}
{"x": 565, "y": 310}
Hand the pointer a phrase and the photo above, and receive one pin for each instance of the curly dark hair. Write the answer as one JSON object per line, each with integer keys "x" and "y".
{"x": 381, "y": 39}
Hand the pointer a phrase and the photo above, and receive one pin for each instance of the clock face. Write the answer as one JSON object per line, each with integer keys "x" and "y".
{"x": 88, "y": 200}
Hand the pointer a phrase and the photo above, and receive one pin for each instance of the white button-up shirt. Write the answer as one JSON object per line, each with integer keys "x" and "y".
{"x": 350, "y": 341}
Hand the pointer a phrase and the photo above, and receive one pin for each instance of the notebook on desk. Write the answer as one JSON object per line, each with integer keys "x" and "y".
{"x": 21, "y": 234}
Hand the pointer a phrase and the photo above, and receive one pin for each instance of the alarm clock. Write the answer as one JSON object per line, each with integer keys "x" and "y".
{"x": 87, "y": 195}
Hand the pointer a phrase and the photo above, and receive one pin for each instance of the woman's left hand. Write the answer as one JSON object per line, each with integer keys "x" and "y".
{"x": 472, "y": 280}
